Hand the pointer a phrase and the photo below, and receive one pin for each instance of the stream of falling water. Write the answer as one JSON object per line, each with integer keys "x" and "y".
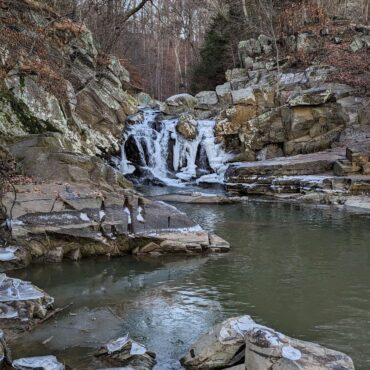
{"x": 161, "y": 153}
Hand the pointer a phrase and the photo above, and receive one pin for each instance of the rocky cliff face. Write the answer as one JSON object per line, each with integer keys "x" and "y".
{"x": 54, "y": 79}
{"x": 265, "y": 111}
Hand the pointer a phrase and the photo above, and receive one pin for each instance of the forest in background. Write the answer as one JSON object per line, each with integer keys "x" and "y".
{"x": 173, "y": 46}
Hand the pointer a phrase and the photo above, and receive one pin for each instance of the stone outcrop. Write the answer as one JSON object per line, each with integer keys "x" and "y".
{"x": 22, "y": 305}
{"x": 357, "y": 161}
{"x": 87, "y": 102}
{"x": 125, "y": 352}
{"x": 240, "y": 343}
{"x": 51, "y": 222}
{"x": 49, "y": 157}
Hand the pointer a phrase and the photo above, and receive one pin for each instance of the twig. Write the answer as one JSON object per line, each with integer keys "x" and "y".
{"x": 52, "y": 314}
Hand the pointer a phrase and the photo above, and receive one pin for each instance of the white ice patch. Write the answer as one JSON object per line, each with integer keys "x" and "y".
{"x": 139, "y": 216}
{"x": 127, "y": 211}
{"x": 41, "y": 362}
{"x": 84, "y": 217}
{"x": 8, "y": 254}
{"x": 233, "y": 330}
{"x": 17, "y": 290}
{"x": 101, "y": 214}
{"x": 291, "y": 353}
{"x": 7, "y": 311}
{"x": 117, "y": 344}
{"x": 137, "y": 349}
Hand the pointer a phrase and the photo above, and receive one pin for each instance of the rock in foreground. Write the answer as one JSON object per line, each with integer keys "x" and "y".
{"x": 53, "y": 221}
{"x": 22, "y": 304}
{"x": 243, "y": 343}
{"x": 38, "y": 363}
{"x": 126, "y": 352}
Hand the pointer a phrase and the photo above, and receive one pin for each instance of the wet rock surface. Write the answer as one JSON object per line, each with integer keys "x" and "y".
{"x": 197, "y": 198}
{"x": 22, "y": 305}
{"x": 126, "y": 352}
{"x": 241, "y": 343}
{"x": 52, "y": 222}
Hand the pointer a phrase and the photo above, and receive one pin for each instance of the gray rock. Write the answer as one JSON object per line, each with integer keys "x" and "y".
{"x": 232, "y": 74}
{"x": 357, "y": 44}
{"x": 249, "y": 48}
{"x": 313, "y": 96}
{"x": 126, "y": 352}
{"x": 224, "y": 93}
{"x": 241, "y": 339}
{"x": 180, "y": 103}
{"x": 266, "y": 43}
{"x": 206, "y": 100}
{"x": 307, "y": 42}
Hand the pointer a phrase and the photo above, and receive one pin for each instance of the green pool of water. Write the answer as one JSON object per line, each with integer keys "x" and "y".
{"x": 304, "y": 271}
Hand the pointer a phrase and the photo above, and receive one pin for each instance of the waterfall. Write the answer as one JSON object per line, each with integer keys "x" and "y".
{"x": 159, "y": 152}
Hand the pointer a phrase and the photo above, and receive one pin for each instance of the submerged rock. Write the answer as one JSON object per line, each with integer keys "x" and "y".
{"x": 126, "y": 352}
{"x": 243, "y": 343}
{"x": 22, "y": 304}
{"x": 38, "y": 363}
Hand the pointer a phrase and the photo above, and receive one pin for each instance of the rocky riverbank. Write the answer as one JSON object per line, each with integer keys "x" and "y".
{"x": 272, "y": 129}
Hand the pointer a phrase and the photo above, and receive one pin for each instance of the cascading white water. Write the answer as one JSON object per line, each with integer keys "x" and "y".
{"x": 158, "y": 146}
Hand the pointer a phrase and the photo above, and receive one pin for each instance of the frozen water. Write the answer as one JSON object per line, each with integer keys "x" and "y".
{"x": 17, "y": 290}
{"x": 40, "y": 363}
{"x": 157, "y": 143}
{"x": 8, "y": 254}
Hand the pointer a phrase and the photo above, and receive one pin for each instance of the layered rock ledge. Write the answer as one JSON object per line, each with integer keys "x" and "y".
{"x": 309, "y": 178}
{"x": 54, "y": 221}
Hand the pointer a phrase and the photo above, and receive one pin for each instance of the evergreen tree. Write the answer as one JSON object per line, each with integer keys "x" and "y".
{"x": 218, "y": 53}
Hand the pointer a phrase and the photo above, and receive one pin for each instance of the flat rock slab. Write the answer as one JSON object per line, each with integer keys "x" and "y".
{"x": 75, "y": 221}
{"x": 304, "y": 164}
{"x": 197, "y": 198}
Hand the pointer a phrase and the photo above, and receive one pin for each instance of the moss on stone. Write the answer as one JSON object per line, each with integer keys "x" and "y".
{"x": 31, "y": 124}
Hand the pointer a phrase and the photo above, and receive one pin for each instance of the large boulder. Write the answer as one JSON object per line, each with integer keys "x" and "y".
{"x": 265, "y": 129}
{"x": 241, "y": 343}
{"x": 312, "y": 120}
{"x": 48, "y": 157}
{"x": 206, "y": 100}
{"x": 313, "y": 96}
{"x": 187, "y": 126}
{"x": 224, "y": 93}
{"x": 180, "y": 103}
